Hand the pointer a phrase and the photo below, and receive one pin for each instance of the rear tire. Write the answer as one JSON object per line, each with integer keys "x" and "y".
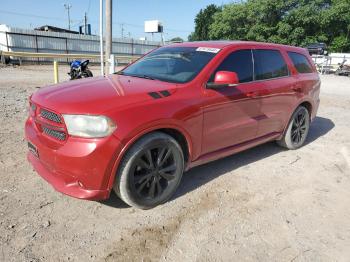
{"x": 297, "y": 130}
{"x": 87, "y": 73}
{"x": 150, "y": 172}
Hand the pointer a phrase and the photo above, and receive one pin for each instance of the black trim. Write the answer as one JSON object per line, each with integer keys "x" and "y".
{"x": 165, "y": 93}
{"x": 155, "y": 95}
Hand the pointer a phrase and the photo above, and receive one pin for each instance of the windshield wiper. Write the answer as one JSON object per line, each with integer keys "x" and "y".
{"x": 135, "y": 75}
{"x": 144, "y": 76}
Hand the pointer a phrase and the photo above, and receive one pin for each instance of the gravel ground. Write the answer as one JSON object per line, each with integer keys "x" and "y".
{"x": 264, "y": 204}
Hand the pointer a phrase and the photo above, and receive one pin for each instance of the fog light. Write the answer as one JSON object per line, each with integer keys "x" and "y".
{"x": 33, "y": 107}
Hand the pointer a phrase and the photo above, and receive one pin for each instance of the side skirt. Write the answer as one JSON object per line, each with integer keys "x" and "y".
{"x": 233, "y": 149}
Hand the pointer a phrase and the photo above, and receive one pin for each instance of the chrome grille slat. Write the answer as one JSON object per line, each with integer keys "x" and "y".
{"x": 54, "y": 133}
{"x": 50, "y": 116}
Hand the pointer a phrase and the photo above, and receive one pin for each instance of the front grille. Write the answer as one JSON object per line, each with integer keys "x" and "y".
{"x": 50, "y": 116}
{"x": 54, "y": 133}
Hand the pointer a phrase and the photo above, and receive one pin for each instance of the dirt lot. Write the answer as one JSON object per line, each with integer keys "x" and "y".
{"x": 265, "y": 204}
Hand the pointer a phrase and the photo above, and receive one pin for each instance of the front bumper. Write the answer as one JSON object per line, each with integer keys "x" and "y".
{"x": 79, "y": 167}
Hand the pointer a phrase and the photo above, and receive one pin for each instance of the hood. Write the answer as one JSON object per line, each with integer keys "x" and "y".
{"x": 98, "y": 94}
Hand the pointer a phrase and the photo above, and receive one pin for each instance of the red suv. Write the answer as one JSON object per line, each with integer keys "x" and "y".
{"x": 177, "y": 107}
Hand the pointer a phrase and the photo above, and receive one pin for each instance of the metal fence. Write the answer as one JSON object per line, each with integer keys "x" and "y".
{"x": 328, "y": 63}
{"x": 22, "y": 40}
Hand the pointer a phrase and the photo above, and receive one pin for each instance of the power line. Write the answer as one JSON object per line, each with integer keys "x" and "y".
{"x": 93, "y": 21}
{"x": 88, "y": 9}
{"x": 167, "y": 29}
{"x": 32, "y": 15}
{"x": 141, "y": 26}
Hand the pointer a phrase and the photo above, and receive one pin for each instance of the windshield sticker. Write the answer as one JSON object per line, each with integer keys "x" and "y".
{"x": 208, "y": 49}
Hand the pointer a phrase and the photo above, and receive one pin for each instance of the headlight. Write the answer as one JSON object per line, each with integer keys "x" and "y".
{"x": 89, "y": 126}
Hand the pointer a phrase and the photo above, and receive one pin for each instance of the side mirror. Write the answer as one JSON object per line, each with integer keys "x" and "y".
{"x": 224, "y": 79}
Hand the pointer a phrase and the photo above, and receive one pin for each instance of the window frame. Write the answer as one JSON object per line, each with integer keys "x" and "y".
{"x": 308, "y": 62}
{"x": 253, "y": 62}
{"x": 227, "y": 56}
{"x": 283, "y": 58}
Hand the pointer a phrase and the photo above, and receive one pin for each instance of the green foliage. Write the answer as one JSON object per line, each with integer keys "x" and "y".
{"x": 340, "y": 44}
{"x": 287, "y": 22}
{"x": 176, "y": 39}
{"x": 202, "y": 22}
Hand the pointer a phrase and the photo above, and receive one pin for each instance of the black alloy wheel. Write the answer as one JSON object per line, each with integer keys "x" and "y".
{"x": 299, "y": 127}
{"x": 150, "y": 172}
{"x": 153, "y": 171}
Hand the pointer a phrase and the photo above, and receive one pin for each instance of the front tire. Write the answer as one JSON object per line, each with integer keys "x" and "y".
{"x": 150, "y": 172}
{"x": 297, "y": 129}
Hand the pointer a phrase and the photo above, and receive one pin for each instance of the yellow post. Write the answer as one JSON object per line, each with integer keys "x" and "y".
{"x": 55, "y": 71}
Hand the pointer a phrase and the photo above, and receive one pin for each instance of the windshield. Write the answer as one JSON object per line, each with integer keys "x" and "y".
{"x": 171, "y": 64}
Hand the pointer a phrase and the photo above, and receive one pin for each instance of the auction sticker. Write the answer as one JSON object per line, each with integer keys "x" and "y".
{"x": 208, "y": 49}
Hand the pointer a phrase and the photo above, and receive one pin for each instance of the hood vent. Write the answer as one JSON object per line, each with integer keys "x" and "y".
{"x": 165, "y": 93}
{"x": 160, "y": 94}
{"x": 155, "y": 95}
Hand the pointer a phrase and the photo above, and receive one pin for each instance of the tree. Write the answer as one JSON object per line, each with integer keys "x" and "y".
{"x": 176, "y": 39}
{"x": 340, "y": 44}
{"x": 202, "y": 22}
{"x": 293, "y": 22}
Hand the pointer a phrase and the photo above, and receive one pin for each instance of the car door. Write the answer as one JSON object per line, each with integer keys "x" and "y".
{"x": 230, "y": 113}
{"x": 276, "y": 94}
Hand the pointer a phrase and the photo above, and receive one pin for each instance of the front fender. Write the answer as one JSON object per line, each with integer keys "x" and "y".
{"x": 148, "y": 128}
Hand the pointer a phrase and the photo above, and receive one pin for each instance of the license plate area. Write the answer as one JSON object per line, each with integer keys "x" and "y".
{"x": 33, "y": 149}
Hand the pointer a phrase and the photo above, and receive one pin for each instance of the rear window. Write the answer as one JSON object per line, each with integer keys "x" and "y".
{"x": 300, "y": 62}
{"x": 269, "y": 64}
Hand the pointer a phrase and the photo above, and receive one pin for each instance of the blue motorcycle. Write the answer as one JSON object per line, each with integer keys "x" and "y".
{"x": 79, "y": 70}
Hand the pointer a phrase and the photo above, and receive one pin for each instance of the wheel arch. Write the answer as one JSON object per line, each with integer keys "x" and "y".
{"x": 178, "y": 133}
{"x": 308, "y": 106}
{"x": 305, "y": 103}
{"x": 180, "y": 138}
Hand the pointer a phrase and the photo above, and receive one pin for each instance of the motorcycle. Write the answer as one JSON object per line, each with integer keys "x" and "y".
{"x": 79, "y": 70}
{"x": 343, "y": 70}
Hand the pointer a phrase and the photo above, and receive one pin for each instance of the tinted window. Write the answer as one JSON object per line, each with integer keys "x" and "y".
{"x": 171, "y": 64}
{"x": 239, "y": 62}
{"x": 300, "y": 62}
{"x": 269, "y": 64}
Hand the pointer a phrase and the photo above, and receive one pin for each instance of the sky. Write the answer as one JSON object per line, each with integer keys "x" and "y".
{"x": 177, "y": 16}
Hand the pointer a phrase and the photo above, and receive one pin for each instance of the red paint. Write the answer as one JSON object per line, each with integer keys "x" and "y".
{"x": 226, "y": 77}
{"x": 214, "y": 123}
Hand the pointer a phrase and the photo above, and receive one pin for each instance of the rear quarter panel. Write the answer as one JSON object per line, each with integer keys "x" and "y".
{"x": 309, "y": 82}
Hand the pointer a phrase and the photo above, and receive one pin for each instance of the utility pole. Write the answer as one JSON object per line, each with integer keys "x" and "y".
{"x": 122, "y": 27}
{"x": 68, "y": 7}
{"x": 85, "y": 24}
{"x": 101, "y": 37}
{"x": 108, "y": 34}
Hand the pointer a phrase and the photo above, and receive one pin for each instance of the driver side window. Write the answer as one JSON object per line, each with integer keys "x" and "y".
{"x": 239, "y": 62}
